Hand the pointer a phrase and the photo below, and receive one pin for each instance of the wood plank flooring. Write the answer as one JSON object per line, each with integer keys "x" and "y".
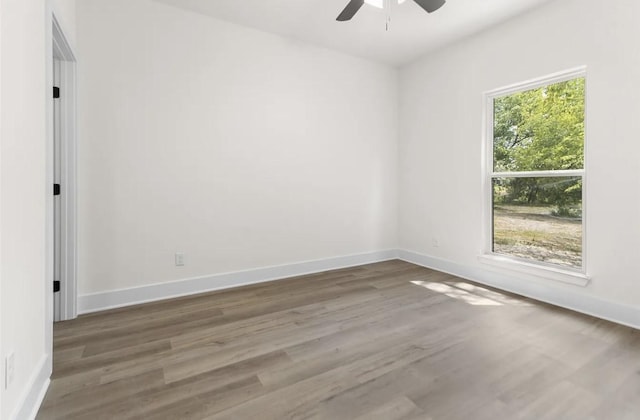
{"x": 381, "y": 341}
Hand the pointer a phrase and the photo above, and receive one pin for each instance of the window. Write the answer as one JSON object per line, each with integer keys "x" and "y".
{"x": 535, "y": 173}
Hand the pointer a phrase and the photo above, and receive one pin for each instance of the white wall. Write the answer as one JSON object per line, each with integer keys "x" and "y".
{"x": 441, "y": 138}
{"x": 240, "y": 148}
{"x": 65, "y": 12}
{"x": 23, "y": 202}
{"x": 2, "y": 351}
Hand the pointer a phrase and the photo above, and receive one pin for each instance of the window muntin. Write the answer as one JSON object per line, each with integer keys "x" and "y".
{"x": 536, "y": 173}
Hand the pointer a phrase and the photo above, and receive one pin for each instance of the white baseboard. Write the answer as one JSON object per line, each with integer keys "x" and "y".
{"x": 576, "y": 300}
{"x": 125, "y": 297}
{"x": 559, "y": 296}
{"x": 35, "y": 391}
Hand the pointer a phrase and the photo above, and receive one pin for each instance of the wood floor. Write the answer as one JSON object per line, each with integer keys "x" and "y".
{"x": 382, "y": 341}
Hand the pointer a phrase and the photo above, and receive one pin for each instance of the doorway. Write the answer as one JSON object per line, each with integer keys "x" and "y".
{"x": 64, "y": 178}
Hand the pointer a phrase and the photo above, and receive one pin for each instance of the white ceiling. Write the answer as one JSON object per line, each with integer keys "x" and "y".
{"x": 413, "y": 32}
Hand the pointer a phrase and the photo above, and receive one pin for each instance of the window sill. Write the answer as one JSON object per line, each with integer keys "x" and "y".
{"x": 546, "y": 272}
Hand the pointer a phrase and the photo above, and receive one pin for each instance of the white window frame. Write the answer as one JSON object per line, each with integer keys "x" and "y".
{"x": 577, "y": 276}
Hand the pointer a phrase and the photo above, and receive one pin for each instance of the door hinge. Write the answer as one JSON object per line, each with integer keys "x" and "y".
{"x": 56, "y": 286}
{"x": 56, "y": 189}
{"x": 56, "y": 92}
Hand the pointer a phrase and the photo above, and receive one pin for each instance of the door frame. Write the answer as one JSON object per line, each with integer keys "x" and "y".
{"x": 63, "y": 52}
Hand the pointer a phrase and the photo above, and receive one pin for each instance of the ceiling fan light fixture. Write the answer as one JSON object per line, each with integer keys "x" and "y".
{"x": 380, "y": 3}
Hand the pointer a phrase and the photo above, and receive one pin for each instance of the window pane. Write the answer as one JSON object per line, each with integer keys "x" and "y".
{"x": 539, "y": 219}
{"x": 540, "y": 129}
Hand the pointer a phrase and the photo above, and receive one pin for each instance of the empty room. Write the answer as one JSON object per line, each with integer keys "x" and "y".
{"x": 319, "y": 209}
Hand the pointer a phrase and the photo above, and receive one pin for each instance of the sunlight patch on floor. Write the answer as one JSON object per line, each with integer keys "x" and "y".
{"x": 471, "y": 294}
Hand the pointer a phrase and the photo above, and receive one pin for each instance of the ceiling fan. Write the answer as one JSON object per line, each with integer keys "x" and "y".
{"x": 354, "y": 5}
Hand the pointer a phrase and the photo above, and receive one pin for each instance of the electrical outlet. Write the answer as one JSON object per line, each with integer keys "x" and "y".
{"x": 179, "y": 259}
{"x": 9, "y": 368}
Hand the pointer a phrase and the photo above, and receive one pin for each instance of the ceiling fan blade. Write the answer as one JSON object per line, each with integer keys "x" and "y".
{"x": 350, "y": 11}
{"x": 430, "y": 5}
